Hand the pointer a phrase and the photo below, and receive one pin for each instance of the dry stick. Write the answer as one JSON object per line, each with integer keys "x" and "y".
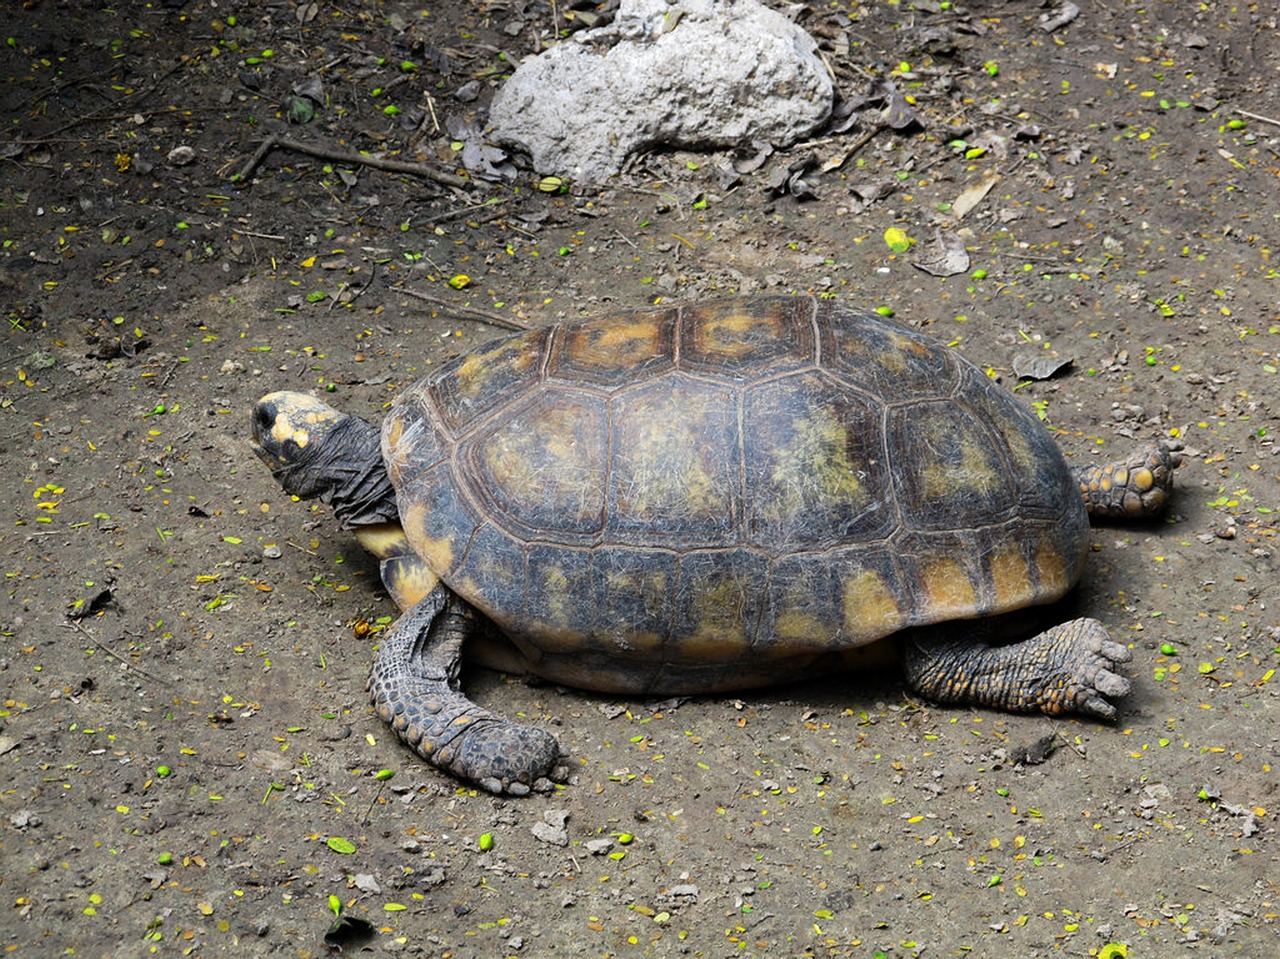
{"x": 1259, "y": 117}
{"x": 837, "y": 162}
{"x": 346, "y": 156}
{"x": 484, "y": 316}
{"x": 127, "y": 664}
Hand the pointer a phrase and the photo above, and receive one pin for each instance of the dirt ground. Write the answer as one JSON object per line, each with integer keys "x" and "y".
{"x": 190, "y": 760}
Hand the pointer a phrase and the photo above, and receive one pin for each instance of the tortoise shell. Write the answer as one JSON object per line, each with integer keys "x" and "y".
{"x": 729, "y": 493}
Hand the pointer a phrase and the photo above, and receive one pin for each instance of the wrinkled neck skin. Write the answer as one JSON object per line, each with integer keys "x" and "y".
{"x": 345, "y": 472}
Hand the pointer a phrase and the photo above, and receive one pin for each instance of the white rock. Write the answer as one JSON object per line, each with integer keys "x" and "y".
{"x": 691, "y": 73}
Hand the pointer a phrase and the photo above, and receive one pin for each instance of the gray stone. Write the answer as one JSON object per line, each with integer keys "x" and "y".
{"x": 686, "y": 73}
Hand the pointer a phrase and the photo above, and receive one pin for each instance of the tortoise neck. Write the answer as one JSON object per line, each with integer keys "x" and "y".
{"x": 346, "y": 472}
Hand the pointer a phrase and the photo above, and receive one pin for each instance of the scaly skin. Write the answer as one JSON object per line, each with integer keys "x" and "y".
{"x": 414, "y": 685}
{"x": 1136, "y": 488}
{"x": 1063, "y": 670}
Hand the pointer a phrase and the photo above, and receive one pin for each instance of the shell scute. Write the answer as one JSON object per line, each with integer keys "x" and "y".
{"x": 741, "y": 339}
{"x": 612, "y": 352}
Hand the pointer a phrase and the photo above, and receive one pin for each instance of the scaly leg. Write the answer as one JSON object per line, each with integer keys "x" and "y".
{"x": 414, "y": 686}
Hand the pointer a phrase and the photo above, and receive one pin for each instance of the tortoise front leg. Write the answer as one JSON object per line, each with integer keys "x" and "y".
{"x": 1135, "y": 488}
{"x": 414, "y": 686}
{"x": 1068, "y": 668}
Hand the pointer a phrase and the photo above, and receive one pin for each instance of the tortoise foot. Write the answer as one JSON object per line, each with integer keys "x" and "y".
{"x": 455, "y": 735}
{"x": 1081, "y": 677}
{"x": 413, "y": 684}
{"x": 1134, "y": 488}
{"x": 1070, "y": 668}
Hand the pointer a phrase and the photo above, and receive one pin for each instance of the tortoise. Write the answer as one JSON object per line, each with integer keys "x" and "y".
{"x": 705, "y": 498}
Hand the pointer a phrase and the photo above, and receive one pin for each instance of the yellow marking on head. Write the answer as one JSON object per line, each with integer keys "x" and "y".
{"x": 296, "y": 415}
{"x": 947, "y": 589}
{"x": 870, "y": 607}
{"x": 1010, "y": 578}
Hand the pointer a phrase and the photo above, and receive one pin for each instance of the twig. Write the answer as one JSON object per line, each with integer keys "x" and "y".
{"x": 173, "y": 368}
{"x": 359, "y": 291}
{"x": 1066, "y": 739}
{"x": 483, "y": 316}
{"x": 75, "y": 624}
{"x": 837, "y": 162}
{"x": 1259, "y": 117}
{"x": 346, "y": 156}
{"x": 114, "y": 268}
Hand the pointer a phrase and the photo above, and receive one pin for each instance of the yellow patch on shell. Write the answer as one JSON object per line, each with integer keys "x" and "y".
{"x": 438, "y": 553}
{"x": 555, "y": 587}
{"x": 734, "y": 335}
{"x": 795, "y": 627}
{"x": 816, "y": 467}
{"x": 948, "y": 590}
{"x": 667, "y": 464}
{"x": 1052, "y": 570}
{"x": 1010, "y": 578}
{"x": 621, "y": 346}
{"x": 974, "y": 473}
{"x": 870, "y": 607}
{"x": 719, "y": 632}
{"x": 476, "y": 370}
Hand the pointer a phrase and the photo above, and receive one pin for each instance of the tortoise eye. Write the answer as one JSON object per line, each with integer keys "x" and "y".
{"x": 264, "y": 419}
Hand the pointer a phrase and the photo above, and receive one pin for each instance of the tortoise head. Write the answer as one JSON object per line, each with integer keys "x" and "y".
{"x": 290, "y": 434}
{"x": 314, "y": 450}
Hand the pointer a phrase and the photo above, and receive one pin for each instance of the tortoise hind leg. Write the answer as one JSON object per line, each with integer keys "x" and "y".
{"x": 1068, "y": 668}
{"x": 414, "y": 686}
{"x": 1137, "y": 487}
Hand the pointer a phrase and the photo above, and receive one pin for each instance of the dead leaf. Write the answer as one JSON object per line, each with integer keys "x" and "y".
{"x": 973, "y": 194}
{"x": 1039, "y": 365}
{"x": 745, "y": 162}
{"x": 946, "y": 257}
